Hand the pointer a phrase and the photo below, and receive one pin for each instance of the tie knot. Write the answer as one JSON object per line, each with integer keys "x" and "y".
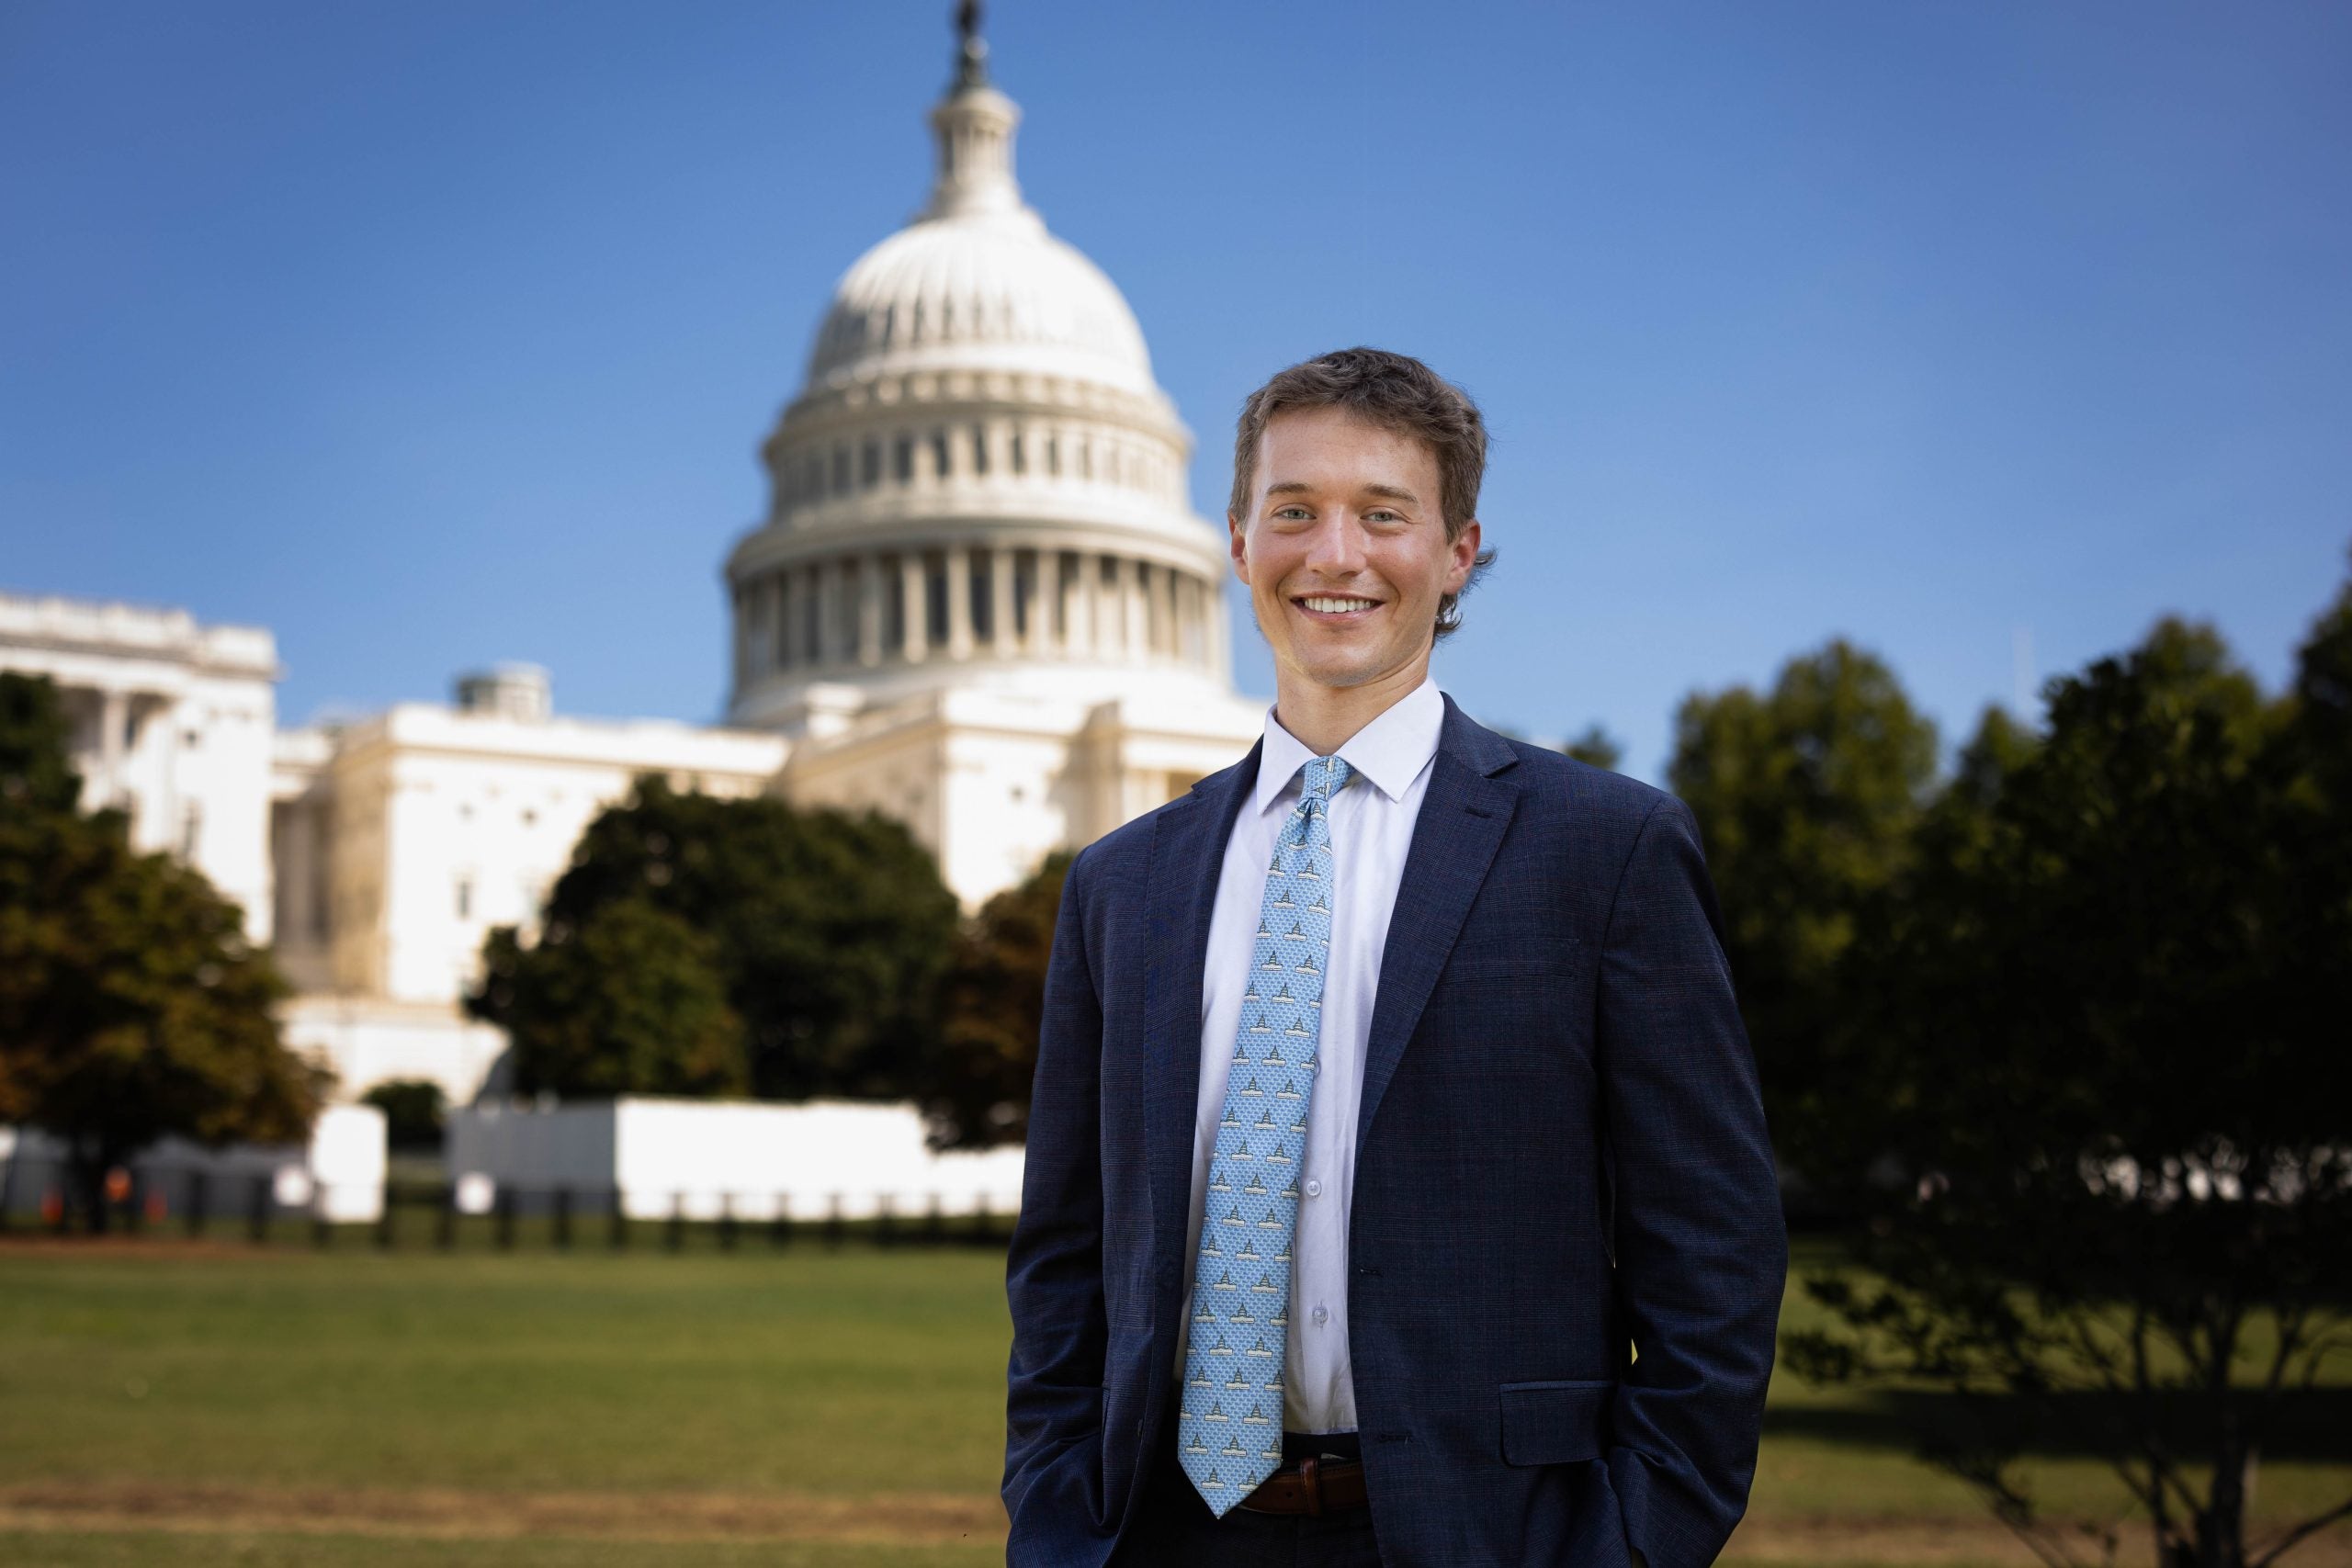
{"x": 1326, "y": 776}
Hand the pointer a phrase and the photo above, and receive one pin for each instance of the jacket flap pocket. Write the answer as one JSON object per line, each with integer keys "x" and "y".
{"x": 1554, "y": 1423}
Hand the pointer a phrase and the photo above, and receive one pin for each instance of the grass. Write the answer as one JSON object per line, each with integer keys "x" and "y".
{"x": 252, "y": 1406}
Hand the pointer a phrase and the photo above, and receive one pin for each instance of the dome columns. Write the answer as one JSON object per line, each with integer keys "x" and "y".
{"x": 1011, "y": 599}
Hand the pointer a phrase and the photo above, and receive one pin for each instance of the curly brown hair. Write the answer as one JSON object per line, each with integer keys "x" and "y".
{"x": 1391, "y": 389}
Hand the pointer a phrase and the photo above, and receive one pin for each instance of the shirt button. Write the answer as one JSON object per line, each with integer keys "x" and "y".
{"x": 1322, "y": 1315}
{"x": 1314, "y": 1187}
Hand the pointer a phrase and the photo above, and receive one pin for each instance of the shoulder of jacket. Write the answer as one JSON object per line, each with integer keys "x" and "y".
{"x": 1596, "y": 795}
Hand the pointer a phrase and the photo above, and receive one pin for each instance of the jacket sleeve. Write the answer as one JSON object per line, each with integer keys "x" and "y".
{"x": 1053, "y": 1469}
{"x": 1702, "y": 1247}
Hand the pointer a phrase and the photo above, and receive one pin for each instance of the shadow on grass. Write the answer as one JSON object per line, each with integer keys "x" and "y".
{"x": 2312, "y": 1424}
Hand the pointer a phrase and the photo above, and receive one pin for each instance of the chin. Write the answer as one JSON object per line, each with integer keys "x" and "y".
{"x": 1343, "y": 674}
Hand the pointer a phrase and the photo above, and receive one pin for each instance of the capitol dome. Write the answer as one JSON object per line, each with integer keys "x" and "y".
{"x": 979, "y": 484}
{"x": 979, "y": 290}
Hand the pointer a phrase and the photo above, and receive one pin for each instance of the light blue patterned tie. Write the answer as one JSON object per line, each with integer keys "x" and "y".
{"x": 1230, "y": 1435}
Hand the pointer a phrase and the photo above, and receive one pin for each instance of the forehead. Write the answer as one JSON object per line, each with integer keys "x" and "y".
{"x": 1331, "y": 449}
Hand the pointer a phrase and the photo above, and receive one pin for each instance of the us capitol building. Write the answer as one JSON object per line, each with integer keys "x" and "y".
{"x": 979, "y": 601}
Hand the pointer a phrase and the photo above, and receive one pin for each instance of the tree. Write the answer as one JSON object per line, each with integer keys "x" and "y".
{"x": 1597, "y": 746}
{"x": 1806, "y": 798}
{"x": 36, "y": 758}
{"x": 977, "y": 1093}
{"x": 628, "y": 1001}
{"x": 2096, "y": 1050}
{"x": 825, "y": 932}
{"x": 131, "y": 1005}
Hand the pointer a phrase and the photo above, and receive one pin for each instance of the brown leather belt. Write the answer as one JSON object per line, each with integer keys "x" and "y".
{"x": 1310, "y": 1487}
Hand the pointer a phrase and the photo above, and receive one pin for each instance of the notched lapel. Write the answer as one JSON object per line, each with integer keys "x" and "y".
{"x": 1463, "y": 819}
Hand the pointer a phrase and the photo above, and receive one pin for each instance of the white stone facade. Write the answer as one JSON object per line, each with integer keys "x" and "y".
{"x": 172, "y": 721}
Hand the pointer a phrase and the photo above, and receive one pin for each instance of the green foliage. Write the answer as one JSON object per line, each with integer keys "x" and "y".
{"x": 977, "y": 1089}
{"x": 131, "y": 1005}
{"x": 35, "y": 744}
{"x": 1597, "y": 746}
{"x": 413, "y": 1112}
{"x": 630, "y": 1000}
{"x": 1806, "y": 798}
{"x": 2093, "y": 1040}
{"x": 702, "y": 945}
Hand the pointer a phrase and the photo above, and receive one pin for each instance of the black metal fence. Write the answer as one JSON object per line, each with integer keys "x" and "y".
{"x": 447, "y": 1216}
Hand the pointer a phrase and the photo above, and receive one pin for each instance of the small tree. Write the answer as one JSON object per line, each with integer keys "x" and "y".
{"x": 1597, "y": 746}
{"x": 977, "y": 1093}
{"x": 2097, "y": 1045}
{"x": 131, "y": 1006}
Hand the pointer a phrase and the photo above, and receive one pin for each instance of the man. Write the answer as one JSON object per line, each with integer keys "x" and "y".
{"x": 1398, "y": 1191}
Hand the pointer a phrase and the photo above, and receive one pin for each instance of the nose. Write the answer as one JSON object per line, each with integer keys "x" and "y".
{"x": 1336, "y": 549}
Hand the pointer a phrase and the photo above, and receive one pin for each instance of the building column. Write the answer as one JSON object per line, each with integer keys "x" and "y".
{"x": 1007, "y": 638}
{"x": 1042, "y": 563}
{"x": 1187, "y": 638}
{"x": 1138, "y": 633}
{"x": 804, "y": 611}
{"x": 869, "y": 611}
{"x": 916, "y": 645}
{"x": 114, "y": 709}
{"x": 1111, "y": 610}
{"x": 959, "y": 603}
{"x": 1066, "y": 599}
{"x": 1102, "y": 626}
{"x": 820, "y": 611}
{"x": 1170, "y": 602}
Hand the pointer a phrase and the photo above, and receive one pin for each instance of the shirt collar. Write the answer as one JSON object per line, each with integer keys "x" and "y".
{"x": 1390, "y": 751}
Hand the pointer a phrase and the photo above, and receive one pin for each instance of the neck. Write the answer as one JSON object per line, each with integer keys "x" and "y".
{"x": 1323, "y": 718}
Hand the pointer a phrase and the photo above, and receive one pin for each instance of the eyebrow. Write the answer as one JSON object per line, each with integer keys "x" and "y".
{"x": 1299, "y": 487}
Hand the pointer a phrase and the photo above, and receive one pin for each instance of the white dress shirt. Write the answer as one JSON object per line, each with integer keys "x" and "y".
{"x": 1372, "y": 827}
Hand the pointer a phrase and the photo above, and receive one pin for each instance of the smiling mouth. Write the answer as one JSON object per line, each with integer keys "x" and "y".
{"x": 1335, "y": 603}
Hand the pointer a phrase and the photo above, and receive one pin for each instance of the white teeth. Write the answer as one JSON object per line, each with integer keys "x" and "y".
{"x": 1337, "y": 606}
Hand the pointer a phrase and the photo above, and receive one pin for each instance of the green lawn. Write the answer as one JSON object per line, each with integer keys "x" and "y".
{"x": 805, "y": 1407}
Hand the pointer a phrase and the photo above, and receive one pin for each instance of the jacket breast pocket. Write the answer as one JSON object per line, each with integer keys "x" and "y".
{"x": 1555, "y": 1423}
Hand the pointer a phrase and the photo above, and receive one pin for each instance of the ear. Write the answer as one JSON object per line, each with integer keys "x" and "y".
{"x": 1461, "y": 555}
{"x": 1238, "y": 545}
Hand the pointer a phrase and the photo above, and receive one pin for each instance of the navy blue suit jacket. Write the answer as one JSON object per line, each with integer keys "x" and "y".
{"x": 1560, "y": 1152}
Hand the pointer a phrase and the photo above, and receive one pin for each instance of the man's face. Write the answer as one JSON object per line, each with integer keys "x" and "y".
{"x": 1344, "y": 548}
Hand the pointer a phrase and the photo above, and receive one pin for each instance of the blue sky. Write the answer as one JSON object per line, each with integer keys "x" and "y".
{"x": 430, "y": 334}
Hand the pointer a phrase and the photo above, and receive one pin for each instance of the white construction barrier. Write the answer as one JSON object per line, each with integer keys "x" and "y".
{"x": 337, "y": 1177}
{"x": 752, "y": 1161}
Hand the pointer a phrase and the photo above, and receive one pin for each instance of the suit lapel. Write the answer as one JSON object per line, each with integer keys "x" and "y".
{"x": 1187, "y": 853}
{"x": 1464, "y": 816}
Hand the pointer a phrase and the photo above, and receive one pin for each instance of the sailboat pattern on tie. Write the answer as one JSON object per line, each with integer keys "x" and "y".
{"x": 1240, "y": 1311}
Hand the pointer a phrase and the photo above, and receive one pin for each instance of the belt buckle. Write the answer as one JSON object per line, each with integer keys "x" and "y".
{"x": 1310, "y": 1472}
